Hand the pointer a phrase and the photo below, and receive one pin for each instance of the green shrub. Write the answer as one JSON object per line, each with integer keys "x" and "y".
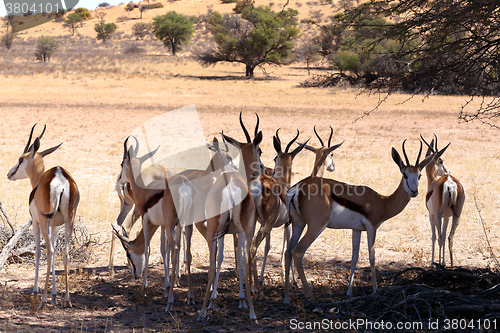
{"x": 45, "y": 46}
{"x": 104, "y": 30}
{"x": 84, "y": 13}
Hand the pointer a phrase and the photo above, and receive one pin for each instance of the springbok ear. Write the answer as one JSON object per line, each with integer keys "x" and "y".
{"x": 50, "y": 150}
{"x": 35, "y": 147}
{"x": 299, "y": 149}
{"x": 310, "y": 148}
{"x": 426, "y": 161}
{"x": 258, "y": 138}
{"x": 332, "y": 148}
{"x": 231, "y": 140}
{"x": 397, "y": 159}
{"x": 209, "y": 146}
{"x": 439, "y": 153}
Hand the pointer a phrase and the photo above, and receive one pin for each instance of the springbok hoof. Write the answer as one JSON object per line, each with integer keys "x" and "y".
{"x": 42, "y": 305}
{"x": 170, "y": 306}
{"x": 243, "y": 304}
{"x": 190, "y": 300}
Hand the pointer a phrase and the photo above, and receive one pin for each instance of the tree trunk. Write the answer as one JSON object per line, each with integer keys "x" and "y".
{"x": 249, "y": 70}
{"x": 173, "y": 48}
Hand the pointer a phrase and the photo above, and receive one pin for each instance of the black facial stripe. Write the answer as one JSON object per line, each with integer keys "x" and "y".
{"x": 134, "y": 270}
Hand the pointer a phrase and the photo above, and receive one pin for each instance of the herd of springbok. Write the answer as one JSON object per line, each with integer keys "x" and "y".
{"x": 230, "y": 196}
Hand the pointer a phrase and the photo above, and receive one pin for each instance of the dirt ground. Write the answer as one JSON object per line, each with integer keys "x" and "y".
{"x": 94, "y": 115}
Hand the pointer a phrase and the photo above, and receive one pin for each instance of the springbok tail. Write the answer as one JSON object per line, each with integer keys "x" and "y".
{"x": 57, "y": 202}
{"x": 231, "y": 200}
{"x": 450, "y": 195}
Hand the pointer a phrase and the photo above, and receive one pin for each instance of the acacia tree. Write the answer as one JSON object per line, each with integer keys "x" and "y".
{"x": 173, "y": 30}
{"x": 45, "y": 46}
{"x": 104, "y": 30}
{"x": 141, "y": 29}
{"x": 7, "y": 39}
{"x": 71, "y": 22}
{"x": 448, "y": 47}
{"x": 259, "y": 36}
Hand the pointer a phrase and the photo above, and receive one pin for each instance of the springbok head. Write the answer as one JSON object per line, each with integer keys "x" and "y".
{"x": 30, "y": 162}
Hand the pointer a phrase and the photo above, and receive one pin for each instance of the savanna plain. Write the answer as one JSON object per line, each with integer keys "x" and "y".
{"x": 92, "y": 96}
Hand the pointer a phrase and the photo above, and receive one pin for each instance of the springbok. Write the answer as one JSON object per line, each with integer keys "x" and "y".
{"x": 322, "y": 203}
{"x": 126, "y": 197}
{"x": 324, "y": 155}
{"x": 230, "y": 209}
{"x": 158, "y": 207}
{"x": 445, "y": 198}
{"x": 52, "y": 203}
{"x": 269, "y": 197}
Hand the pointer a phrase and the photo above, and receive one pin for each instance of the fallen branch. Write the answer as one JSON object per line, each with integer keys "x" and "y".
{"x": 6, "y": 218}
{"x": 12, "y": 243}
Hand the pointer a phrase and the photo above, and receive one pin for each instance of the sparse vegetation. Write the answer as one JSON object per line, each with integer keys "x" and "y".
{"x": 72, "y": 22}
{"x": 84, "y": 13}
{"x": 123, "y": 18}
{"x": 308, "y": 52}
{"x": 173, "y": 30}
{"x": 242, "y": 4}
{"x": 141, "y": 29}
{"x": 45, "y": 47}
{"x": 7, "y": 39}
{"x": 104, "y": 30}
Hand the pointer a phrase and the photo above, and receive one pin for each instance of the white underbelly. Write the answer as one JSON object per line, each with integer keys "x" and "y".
{"x": 343, "y": 218}
{"x": 155, "y": 214}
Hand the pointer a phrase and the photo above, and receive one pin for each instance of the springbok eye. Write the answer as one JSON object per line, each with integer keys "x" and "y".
{"x": 20, "y": 160}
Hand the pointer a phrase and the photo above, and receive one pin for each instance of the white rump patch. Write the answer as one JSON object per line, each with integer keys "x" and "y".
{"x": 231, "y": 196}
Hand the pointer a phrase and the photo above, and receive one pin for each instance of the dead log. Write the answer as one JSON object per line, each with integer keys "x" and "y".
{"x": 12, "y": 243}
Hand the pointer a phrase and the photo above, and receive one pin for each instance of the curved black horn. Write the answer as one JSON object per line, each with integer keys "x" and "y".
{"x": 43, "y": 132}
{"x": 224, "y": 140}
{"x": 245, "y": 130}
{"x": 277, "y": 135}
{"x": 291, "y": 142}
{"x": 136, "y": 150}
{"x": 419, "y": 152}
{"x": 29, "y": 139}
{"x": 256, "y": 126}
{"x": 427, "y": 144}
{"x": 404, "y": 153}
{"x": 125, "y": 149}
{"x": 330, "y": 138}
{"x": 319, "y": 138}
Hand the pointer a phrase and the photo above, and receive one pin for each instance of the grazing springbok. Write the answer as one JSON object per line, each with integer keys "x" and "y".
{"x": 322, "y": 203}
{"x": 52, "y": 203}
{"x": 231, "y": 210}
{"x": 269, "y": 197}
{"x": 170, "y": 207}
{"x": 445, "y": 198}
{"x": 126, "y": 196}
